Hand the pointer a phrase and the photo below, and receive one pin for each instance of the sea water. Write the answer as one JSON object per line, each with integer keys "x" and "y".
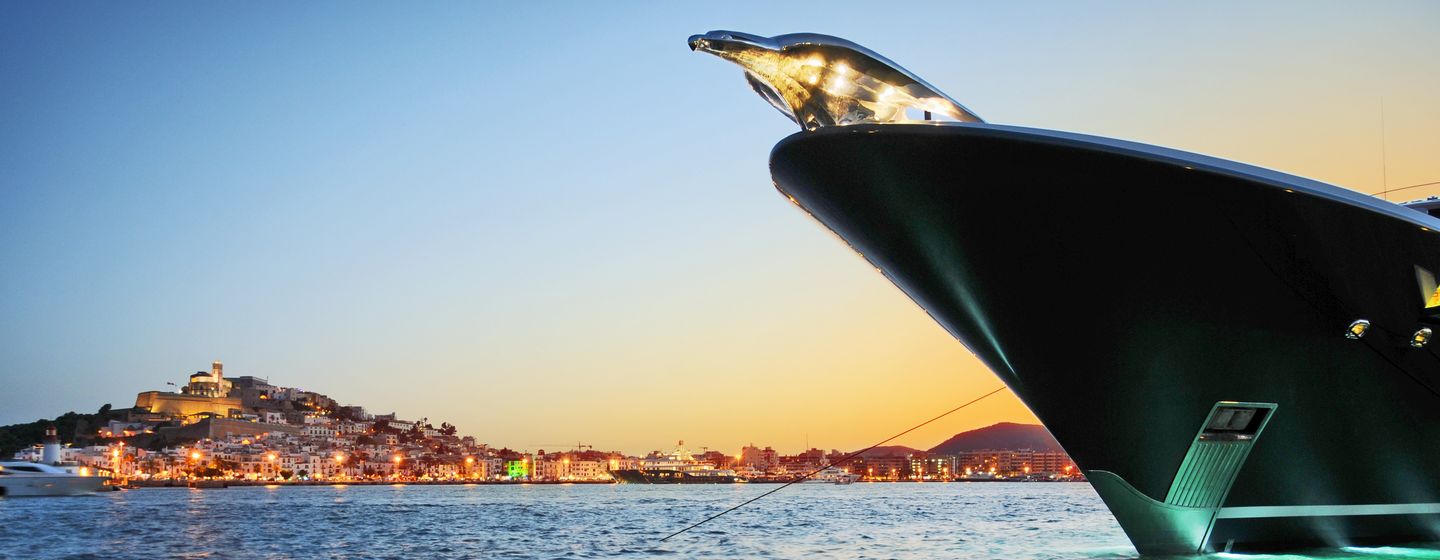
{"x": 895, "y": 520}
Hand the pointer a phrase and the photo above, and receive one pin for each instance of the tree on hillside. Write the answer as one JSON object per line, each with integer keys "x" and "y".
{"x": 71, "y": 427}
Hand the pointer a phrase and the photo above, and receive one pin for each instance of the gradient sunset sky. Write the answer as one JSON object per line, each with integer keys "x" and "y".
{"x": 552, "y": 223}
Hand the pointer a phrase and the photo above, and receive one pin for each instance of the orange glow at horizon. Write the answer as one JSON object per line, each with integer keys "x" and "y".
{"x": 610, "y": 265}
{"x": 841, "y": 366}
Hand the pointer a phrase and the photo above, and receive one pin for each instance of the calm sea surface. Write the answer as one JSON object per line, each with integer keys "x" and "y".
{"x": 934, "y": 520}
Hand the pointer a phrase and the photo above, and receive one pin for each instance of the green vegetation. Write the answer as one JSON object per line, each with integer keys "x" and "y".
{"x": 72, "y": 427}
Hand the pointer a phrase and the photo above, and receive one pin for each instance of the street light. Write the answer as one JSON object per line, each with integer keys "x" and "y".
{"x": 195, "y": 458}
{"x": 395, "y": 472}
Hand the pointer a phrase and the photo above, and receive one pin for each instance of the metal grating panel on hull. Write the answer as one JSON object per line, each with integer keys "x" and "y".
{"x": 1205, "y": 475}
{"x": 1214, "y": 460}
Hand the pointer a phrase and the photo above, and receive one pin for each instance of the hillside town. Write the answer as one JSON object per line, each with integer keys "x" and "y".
{"x": 215, "y": 428}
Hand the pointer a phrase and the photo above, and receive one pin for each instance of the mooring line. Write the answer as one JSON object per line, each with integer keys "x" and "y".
{"x": 842, "y": 460}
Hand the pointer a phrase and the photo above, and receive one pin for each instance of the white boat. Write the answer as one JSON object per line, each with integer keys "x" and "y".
{"x": 833, "y": 475}
{"x": 19, "y": 478}
{"x": 680, "y": 467}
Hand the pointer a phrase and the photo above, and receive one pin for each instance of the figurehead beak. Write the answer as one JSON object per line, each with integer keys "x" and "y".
{"x": 727, "y": 42}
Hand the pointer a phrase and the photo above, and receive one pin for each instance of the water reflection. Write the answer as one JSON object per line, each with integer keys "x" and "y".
{"x": 997, "y": 520}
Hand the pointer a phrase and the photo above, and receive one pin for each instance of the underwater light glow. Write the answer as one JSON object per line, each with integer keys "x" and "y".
{"x": 1393, "y": 551}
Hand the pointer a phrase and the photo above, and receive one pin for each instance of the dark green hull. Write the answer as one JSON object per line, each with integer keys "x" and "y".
{"x": 1123, "y": 290}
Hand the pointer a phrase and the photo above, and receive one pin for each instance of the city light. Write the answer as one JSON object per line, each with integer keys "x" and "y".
{"x": 322, "y": 448}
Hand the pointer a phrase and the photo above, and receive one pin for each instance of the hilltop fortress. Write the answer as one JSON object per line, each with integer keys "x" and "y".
{"x": 207, "y": 393}
{"x": 210, "y": 405}
{"x": 246, "y": 397}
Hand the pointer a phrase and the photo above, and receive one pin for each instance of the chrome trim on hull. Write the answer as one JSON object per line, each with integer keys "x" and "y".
{"x": 1262, "y": 512}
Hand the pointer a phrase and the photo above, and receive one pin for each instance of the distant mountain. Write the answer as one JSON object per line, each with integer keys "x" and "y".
{"x": 1005, "y": 435}
{"x": 890, "y": 451}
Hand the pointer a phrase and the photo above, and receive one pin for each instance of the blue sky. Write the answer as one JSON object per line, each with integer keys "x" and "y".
{"x": 551, "y": 221}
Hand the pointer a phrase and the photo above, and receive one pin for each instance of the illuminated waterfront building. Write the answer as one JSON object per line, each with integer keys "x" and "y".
{"x": 931, "y": 467}
{"x": 1012, "y": 462}
{"x": 757, "y": 458}
{"x": 804, "y": 462}
{"x": 517, "y": 469}
{"x": 894, "y": 467}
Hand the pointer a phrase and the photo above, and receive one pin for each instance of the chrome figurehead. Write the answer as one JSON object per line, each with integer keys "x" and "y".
{"x": 819, "y": 80}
